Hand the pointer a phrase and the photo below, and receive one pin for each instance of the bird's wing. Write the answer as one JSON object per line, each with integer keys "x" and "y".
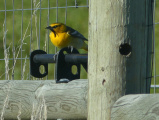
{"x": 75, "y": 33}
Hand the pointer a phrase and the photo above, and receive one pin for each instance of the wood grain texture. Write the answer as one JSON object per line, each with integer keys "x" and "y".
{"x": 136, "y": 107}
{"x": 113, "y": 23}
{"x": 43, "y": 99}
{"x": 106, "y": 66}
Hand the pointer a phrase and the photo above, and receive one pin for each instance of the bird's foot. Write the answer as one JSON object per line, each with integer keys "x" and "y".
{"x": 55, "y": 56}
{"x": 71, "y": 48}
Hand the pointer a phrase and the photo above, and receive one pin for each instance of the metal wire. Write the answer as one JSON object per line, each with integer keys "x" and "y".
{"x": 5, "y": 37}
{"x": 31, "y": 25}
{"x": 16, "y": 59}
{"x": 57, "y": 7}
{"x": 39, "y": 26}
{"x": 43, "y": 8}
{"x": 56, "y": 21}
{"x": 87, "y": 4}
{"x": 154, "y": 56}
{"x": 66, "y": 12}
{"x": 57, "y": 10}
{"x": 22, "y": 42}
{"x": 13, "y": 47}
{"x": 76, "y": 3}
{"x": 48, "y": 21}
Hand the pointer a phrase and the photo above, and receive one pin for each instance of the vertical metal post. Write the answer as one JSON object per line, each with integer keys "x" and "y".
{"x": 66, "y": 12}
{"x": 22, "y": 43}
{"x": 48, "y": 22}
{"x": 31, "y": 25}
{"x": 154, "y": 51}
{"x": 13, "y": 46}
{"x": 56, "y": 21}
{"x": 5, "y": 30}
{"x": 39, "y": 26}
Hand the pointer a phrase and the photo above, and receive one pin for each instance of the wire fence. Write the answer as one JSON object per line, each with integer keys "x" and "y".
{"x": 155, "y": 71}
{"x": 23, "y": 23}
{"x": 23, "y": 30}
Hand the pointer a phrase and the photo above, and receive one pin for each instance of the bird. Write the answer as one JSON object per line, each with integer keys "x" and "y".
{"x": 63, "y": 36}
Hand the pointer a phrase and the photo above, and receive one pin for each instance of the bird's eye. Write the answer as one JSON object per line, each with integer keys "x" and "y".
{"x": 55, "y": 26}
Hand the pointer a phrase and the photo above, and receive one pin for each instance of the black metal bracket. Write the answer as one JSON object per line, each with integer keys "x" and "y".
{"x": 63, "y": 68}
{"x": 35, "y": 66}
{"x": 64, "y": 59}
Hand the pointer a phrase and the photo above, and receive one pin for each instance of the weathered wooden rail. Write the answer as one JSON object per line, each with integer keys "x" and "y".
{"x": 39, "y": 99}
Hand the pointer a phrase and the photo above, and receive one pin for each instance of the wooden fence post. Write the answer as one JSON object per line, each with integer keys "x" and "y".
{"x": 118, "y": 45}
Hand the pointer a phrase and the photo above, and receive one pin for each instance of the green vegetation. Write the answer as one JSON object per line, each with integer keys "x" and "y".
{"x": 37, "y": 35}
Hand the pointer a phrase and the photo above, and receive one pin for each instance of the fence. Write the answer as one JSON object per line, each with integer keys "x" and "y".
{"x": 23, "y": 30}
{"x": 155, "y": 79}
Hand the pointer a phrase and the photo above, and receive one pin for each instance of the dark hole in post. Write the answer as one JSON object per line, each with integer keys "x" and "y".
{"x": 125, "y": 49}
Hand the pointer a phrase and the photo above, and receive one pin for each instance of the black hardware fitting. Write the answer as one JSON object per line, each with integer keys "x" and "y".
{"x": 64, "y": 59}
{"x": 35, "y": 66}
{"x": 63, "y": 68}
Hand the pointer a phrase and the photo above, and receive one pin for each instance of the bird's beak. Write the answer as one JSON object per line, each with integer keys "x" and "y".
{"x": 49, "y": 27}
{"x": 52, "y": 29}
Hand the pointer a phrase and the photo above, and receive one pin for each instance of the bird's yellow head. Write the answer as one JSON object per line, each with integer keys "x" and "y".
{"x": 57, "y": 28}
